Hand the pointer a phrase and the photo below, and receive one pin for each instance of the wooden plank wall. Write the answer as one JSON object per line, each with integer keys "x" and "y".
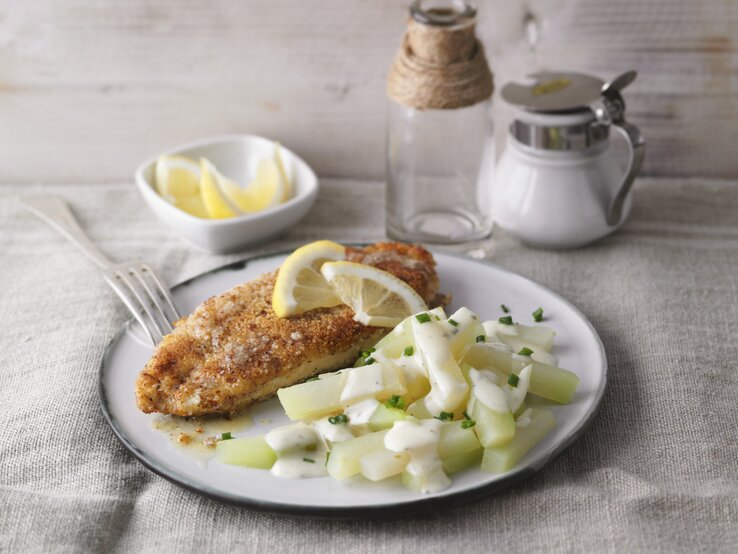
{"x": 88, "y": 88}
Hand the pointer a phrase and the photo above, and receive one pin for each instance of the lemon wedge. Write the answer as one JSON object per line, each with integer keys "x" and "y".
{"x": 193, "y": 205}
{"x": 176, "y": 176}
{"x": 282, "y": 173}
{"x": 211, "y": 184}
{"x": 300, "y": 286}
{"x": 268, "y": 188}
{"x": 201, "y": 190}
{"x": 177, "y": 180}
{"x": 378, "y": 298}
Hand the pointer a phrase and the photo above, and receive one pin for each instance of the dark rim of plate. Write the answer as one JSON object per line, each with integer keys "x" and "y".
{"x": 439, "y": 502}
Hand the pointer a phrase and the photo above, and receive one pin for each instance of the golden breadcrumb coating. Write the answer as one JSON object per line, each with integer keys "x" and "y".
{"x": 233, "y": 350}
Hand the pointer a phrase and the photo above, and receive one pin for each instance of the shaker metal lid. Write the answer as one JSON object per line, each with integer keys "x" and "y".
{"x": 554, "y": 92}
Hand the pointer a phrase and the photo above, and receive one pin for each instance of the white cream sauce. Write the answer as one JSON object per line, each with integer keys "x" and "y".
{"x": 544, "y": 357}
{"x": 363, "y": 382}
{"x": 487, "y": 392}
{"x": 492, "y": 338}
{"x": 491, "y": 375}
{"x": 408, "y": 435}
{"x": 292, "y": 437}
{"x": 464, "y": 317}
{"x": 516, "y": 395}
{"x": 448, "y": 386}
{"x": 410, "y": 365}
{"x": 499, "y": 346}
{"x": 495, "y": 329}
{"x": 301, "y": 464}
{"x": 412, "y": 368}
{"x": 333, "y": 432}
{"x": 419, "y": 439}
{"x": 360, "y": 413}
{"x": 300, "y": 450}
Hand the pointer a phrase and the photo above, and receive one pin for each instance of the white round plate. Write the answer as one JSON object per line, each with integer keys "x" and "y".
{"x": 479, "y": 285}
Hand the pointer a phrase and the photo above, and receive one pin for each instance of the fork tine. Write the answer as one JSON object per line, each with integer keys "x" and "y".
{"x": 145, "y": 305}
{"x": 164, "y": 292}
{"x": 162, "y": 322}
{"x": 113, "y": 280}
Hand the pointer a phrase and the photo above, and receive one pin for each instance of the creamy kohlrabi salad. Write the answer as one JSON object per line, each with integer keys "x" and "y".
{"x": 437, "y": 395}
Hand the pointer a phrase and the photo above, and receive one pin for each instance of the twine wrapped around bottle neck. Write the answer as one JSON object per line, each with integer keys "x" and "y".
{"x": 440, "y": 68}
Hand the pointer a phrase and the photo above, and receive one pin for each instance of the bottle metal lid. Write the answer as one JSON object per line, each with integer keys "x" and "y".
{"x": 565, "y": 110}
{"x": 554, "y": 92}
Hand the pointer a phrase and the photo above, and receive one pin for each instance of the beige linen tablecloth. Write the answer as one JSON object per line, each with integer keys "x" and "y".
{"x": 657, "y": 470}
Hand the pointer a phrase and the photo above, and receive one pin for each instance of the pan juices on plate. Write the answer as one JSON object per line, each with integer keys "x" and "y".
{"x": 286, "y": 326}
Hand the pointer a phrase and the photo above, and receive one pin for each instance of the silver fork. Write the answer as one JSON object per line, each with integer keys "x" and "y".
{"x": 135, "y": 283}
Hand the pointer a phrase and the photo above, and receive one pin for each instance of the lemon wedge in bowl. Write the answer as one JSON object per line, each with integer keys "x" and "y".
{"x": 287, "y": 192}
{"x": 269, "y": 188}
{"x": 211, "y": 184}
{"x": 193, "y": 205}
{"x": 378, "y": 298}
{"x": 300, "y": 286}
{"x": 177, "y": 180}
{"x": 176, "y": 176}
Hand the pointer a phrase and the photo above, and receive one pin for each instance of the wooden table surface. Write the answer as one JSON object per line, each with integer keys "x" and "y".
{"x": 89, "y": 88}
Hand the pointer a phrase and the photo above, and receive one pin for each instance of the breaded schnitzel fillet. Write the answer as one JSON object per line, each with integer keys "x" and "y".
{"x": 233, "y": 350}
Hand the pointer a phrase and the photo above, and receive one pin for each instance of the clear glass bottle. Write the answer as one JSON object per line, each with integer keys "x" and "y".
{"x": 439, "y": 165}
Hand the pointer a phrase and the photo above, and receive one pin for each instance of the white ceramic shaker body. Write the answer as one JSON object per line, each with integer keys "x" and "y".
{"x": 557, "y": 199}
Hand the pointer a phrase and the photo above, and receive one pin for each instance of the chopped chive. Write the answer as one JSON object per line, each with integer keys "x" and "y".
{"x": 506, "y": 320}
{"x": 437, "y": 318}
{"x": 309, "y": 460}
{"x": 525, "y": 351}
{"x": 467, "y": 422}
{"x": 423, "y": 318}
{"x": 453, "y": 322}
{"x": 513, "y": 380}
{"x": 395, "y": 401}
{"x": 481, "y": 338}
{"x": 340, "y": 419}
{"x": 445, "y": 416}
{"x": 369, "y": 360}
{"x": 505, "y": 308}
{"x": 313, "y": 378}
{"x": 409, "y": 350}
{"x": 226, "y": 436}
{"x": 538, "y": 315}
{"x": 367, "y": 353}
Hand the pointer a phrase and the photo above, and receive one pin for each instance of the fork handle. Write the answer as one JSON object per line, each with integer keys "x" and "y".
{"x": 54, "y": 211}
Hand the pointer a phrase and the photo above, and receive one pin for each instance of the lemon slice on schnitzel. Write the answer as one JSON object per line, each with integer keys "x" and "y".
{"x": 378, "y": 298}
{"x": 300, "y": 286}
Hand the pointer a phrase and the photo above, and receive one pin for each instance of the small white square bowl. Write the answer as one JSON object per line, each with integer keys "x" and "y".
{"x": 235, "y": 156}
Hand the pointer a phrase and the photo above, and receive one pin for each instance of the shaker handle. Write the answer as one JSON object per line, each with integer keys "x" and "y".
{"x": 637, "y": 152}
